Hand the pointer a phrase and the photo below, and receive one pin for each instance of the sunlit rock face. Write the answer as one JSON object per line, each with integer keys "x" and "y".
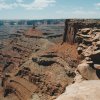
{"x": 89, "y": 50}
{"x": 73, "y": 25}
{"x": 86, "y": 90}
{"x": 86, "y": 82}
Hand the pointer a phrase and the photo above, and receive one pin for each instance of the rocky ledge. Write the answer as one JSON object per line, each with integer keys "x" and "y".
{"x": 72, "y": 26}
{"x": 86, "y": 82}
{"x": 89, "y": 51}
{"x": 86, "y": 90}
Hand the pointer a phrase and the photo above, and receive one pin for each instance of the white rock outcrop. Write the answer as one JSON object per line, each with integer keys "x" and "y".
{"x": 86, "y": 90}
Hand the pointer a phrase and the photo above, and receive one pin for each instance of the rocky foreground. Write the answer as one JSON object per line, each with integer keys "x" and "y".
{"x": 87, "y": 84}
{"x": 86, "y": 90}
{"x": 34, "y": 68}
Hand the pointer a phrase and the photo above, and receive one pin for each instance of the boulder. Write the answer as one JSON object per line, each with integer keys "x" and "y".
{"x": 86, "y": 90}
{"x": 97, "y": 66}
{"x": 86, "y": 71}
{"x": 98, "y": 43}
{"x": 97, "y": 37}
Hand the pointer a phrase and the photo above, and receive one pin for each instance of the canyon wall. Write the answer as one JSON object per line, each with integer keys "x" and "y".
{"x": 34, "y": 66}
{"x": 73, "y": 25}
{"x": 86, "y": 83}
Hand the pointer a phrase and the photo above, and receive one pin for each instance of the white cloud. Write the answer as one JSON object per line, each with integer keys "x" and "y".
{"x": 82, "y": 12}
{"x": 86, "y": 14}
{"x": 97, "y": 4}
{"x": 4, "y": 5}
{"x": 35, "y": 4}
{"x": 78, "y": 13}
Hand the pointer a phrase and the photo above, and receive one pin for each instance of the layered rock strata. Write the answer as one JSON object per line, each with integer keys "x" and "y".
{"x": 88, "y": 71}
{"x": 32, "y": 67}
{"x": 89, "y": 52}
{"x": 72, "y": 26}
{"x": 35, "y": 67}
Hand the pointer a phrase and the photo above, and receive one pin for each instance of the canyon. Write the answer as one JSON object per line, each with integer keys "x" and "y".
{"x": 43, "y": 62}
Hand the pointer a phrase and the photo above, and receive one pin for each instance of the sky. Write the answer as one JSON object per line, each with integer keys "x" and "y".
{"x": 49, "y": 9}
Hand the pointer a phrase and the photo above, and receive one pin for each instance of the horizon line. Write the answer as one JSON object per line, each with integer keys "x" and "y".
{"x": 48, "y": 18}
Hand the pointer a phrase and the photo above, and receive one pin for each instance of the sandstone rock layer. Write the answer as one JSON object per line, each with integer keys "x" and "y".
{"x": 86, "y": 90}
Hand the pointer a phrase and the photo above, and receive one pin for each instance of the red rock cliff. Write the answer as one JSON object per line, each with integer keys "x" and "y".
{"x": 73, "y": 25}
